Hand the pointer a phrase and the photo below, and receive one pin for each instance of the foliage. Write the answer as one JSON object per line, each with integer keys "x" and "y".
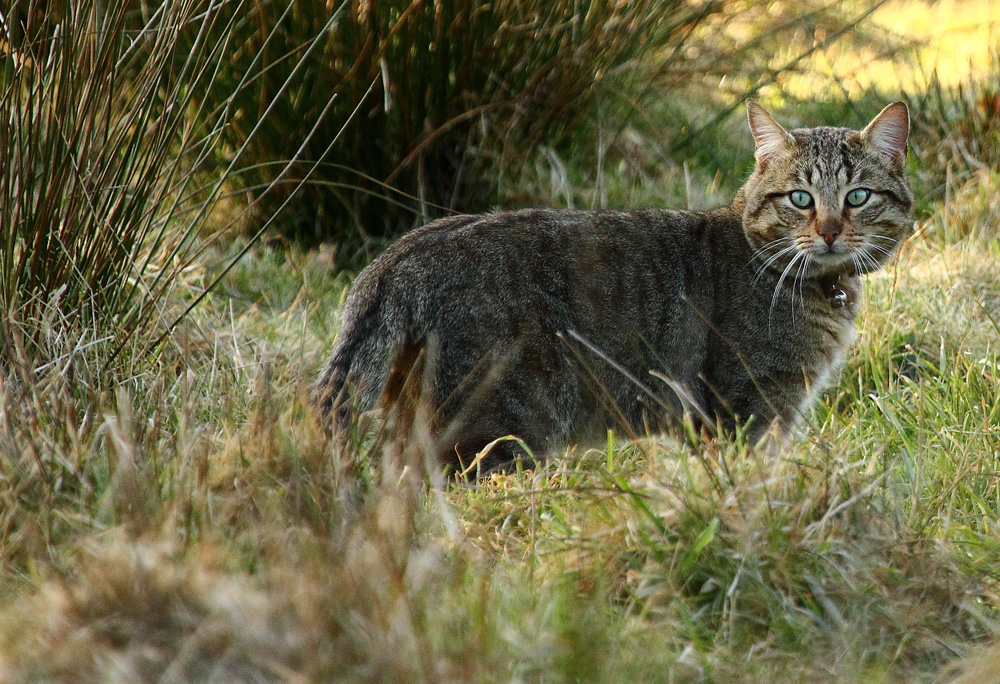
{"x": 956, "y": 130}
{"x": 397, "y": 112}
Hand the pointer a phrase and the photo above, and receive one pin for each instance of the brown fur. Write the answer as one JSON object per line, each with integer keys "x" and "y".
{"x": 557, "y": 325}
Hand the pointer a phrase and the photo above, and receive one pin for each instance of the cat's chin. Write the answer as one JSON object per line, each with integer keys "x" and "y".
{"x": 826, "y": 262}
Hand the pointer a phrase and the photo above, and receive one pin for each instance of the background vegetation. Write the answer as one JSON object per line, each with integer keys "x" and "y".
{"x": 170, "y": 510}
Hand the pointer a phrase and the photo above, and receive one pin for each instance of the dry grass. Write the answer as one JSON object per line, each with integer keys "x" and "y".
{"x": 205, "y": 530}
{"x": 190, "y": 521}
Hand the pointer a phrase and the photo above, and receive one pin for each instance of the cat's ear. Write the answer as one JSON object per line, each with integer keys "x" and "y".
{"x": 768, "y": 135}
{"x": 887, "y": 132}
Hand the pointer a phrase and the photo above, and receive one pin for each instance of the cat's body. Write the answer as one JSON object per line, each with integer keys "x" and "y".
{"x": 557, "y": 325}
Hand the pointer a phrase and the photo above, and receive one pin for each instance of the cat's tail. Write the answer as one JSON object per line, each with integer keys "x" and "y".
{"x": 370, "y": 358}
{"x": 330, "y": 394}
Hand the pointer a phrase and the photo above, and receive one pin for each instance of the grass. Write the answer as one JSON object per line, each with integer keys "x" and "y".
{"x": 224, "y": 539}
{"x": 413, "y": 109}
{"x": 106, "y": 140}
{"x": 190, "y": 521}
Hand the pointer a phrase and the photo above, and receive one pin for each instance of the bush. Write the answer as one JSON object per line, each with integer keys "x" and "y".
{"x": 412, "y": 108}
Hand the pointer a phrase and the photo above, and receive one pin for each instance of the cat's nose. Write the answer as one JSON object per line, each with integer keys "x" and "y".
{"x": 829, "y": 229}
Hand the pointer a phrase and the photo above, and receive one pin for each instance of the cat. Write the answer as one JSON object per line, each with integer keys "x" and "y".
{"x": 557, "y": 325}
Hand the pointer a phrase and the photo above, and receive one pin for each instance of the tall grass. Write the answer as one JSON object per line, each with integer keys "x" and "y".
{"x": 98, "y": 157}
{"x": 446, "y": 97}
{"x": 957, "y": 130}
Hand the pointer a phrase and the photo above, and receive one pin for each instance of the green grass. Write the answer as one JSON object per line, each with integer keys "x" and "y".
{"x": 189, "y": 520}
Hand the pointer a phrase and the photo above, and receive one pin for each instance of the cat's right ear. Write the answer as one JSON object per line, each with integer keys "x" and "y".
{"x": 768, "y": 135}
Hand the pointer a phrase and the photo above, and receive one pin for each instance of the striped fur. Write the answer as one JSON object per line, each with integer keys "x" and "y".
{"x": 557, "y": 325}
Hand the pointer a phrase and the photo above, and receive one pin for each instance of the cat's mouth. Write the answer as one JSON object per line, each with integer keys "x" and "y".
{"x": 859, "y": 257}
{"x": 829, "y": 253}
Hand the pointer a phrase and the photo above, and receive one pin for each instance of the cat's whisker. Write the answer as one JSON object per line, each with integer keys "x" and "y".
{"x": 856, "y": 263}
{"x": 871, "y": 263}
{"x": 777, "y": 287}
{"x": 870, "y": 238}
{"x": 765, "y": 265}
{"x": 875, "y": 265}
{"x": 875, "y": 236}
{"x": 879, "y": 249}
{"x": 800, "y": 276}
{"x": 796, "y": 280}
{"x": 772, "y": 245}
{"x": 865, "y": 263}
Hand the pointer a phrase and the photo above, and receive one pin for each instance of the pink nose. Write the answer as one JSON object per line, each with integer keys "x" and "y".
{"x": 829, "y": 229}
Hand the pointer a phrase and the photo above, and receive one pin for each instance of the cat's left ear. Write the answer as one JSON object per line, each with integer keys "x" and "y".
{"x": 888, "y": 131}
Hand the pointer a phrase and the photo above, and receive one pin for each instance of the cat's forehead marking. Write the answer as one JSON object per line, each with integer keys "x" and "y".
{"x": 827, "y": 155}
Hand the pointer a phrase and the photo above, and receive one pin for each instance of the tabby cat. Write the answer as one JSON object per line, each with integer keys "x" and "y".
{"x": 555, "y": 325}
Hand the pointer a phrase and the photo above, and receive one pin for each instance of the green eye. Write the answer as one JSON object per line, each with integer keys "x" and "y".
{"x": 801, "y": 199}
{"x": 857, "y": 197}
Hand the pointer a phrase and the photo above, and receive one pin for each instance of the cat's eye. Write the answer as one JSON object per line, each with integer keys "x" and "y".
{"x": 857, "y": 197}
{"x": 801, "y": 199}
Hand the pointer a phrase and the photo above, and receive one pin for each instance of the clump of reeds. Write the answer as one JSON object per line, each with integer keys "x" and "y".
{"x": 97, "y": 201}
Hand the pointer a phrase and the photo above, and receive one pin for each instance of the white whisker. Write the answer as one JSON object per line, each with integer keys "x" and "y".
{"x": 777, "y": 287}
{"x": 800, "y": 277}
{"x": 857, "y": 264}
{"x": 879, "y": 249}
{"x": 869, "y": 260}
{"x": 762, "y": 252}
{"x": 766, "y": 264}
{"x": 773, "y": 244}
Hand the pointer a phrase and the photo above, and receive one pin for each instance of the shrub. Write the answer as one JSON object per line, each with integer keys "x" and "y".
{"x": 417, "y": 107}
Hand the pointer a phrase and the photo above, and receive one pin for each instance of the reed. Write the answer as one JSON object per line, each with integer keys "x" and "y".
{"x": 98, "y": 202}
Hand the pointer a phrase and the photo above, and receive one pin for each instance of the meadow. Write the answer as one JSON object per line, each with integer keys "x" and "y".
{"x": 183, "y": 204}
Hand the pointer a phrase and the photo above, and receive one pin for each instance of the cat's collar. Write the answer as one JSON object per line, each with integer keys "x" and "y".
{"x": 834, "y": 293}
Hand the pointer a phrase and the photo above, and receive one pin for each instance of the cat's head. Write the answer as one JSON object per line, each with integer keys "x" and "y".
{"x": 827, "y": 200}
